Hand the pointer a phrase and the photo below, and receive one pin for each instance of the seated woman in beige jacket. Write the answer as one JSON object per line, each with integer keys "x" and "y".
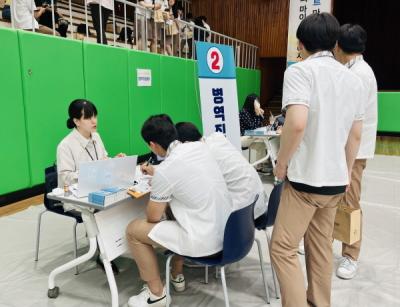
{"x": 82, "y": 144}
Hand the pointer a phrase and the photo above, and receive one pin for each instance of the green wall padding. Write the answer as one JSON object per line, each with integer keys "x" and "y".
{"x": 143, "y": 101}
{"x": 248, "y": 82}
{"x": 193, "y": 95}
{"x": 173, "y": 88}
{"x": 389, "y": 112}
{"x": 44, "y": 74}
{"x": 106, "y": 82}
{"x": 13, "y": 146}
{"x": 52, "y": 74}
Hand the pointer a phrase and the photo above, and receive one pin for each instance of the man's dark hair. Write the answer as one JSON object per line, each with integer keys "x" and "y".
{"x": 187, "y": 132}
{"x": 318, "y": 32}
{"x": 352, "y": 38}
{"x": 159, "y": 129}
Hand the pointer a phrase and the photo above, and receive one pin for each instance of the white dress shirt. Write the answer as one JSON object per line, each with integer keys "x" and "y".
{"x": 190, "y": 181}
{"x": 334, "y": 97}
{"x": 370, "y": 123}
{"x": 241, "y": 178}
{"x": 73, "y": 150}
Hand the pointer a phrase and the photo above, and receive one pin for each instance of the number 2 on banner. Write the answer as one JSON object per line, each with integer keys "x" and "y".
{"x": 215, "y": 60}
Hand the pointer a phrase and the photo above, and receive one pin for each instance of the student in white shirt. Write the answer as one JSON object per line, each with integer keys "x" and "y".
{"x": 21, "y": 15}
{"x": 191, "y": 184}
{"x": 319, "y": 143}
{"x": 240, "y": 177}
{"x": 349, "y": 50}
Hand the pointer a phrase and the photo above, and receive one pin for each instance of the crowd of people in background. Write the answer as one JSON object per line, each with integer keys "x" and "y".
{"x": 161, "y": 26}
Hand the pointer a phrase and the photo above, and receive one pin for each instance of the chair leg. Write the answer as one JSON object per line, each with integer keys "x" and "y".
{"x": 272, "y": 266}
{"x": 38, "y": 234}
{"x": 262, "y": 269}
{"x": 206, "y": 274}
{"x": 75, "y": 247}
{"x": 224, "y": 286}
{"x": 167, "y": 283}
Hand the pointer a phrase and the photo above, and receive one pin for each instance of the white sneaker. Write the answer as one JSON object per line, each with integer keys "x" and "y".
{"x": 347, "y": 268}
{"x": 146, "y": 298}
{"x": 178, "y": 283}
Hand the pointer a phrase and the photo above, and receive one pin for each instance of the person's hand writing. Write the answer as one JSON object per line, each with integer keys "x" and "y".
{"x": 147, "y": 169}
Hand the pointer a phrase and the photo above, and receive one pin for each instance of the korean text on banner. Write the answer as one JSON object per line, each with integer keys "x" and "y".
{"x": 218, "y": 91}
{"x": 299, "y": 10}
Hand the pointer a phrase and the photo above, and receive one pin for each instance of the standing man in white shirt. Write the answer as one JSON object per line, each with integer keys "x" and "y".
{"x": 319, "y": 143}
{"x": 191, "y": 184}
{"x": 101, "y": 11}
{"x": 351, "y": 46}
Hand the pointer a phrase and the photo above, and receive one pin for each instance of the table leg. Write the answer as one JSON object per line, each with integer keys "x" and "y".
{"x": 110, "y": 275}
{"x": 54, "y": 291}
{"x": 261, "y": 160}
{"x": 92, "y": 231}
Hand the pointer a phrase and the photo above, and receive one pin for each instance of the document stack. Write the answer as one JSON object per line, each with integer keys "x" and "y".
{"x": 107, "y": 196}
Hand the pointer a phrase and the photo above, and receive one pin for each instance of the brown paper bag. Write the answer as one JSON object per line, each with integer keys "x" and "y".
{"x": 347, "y": 225}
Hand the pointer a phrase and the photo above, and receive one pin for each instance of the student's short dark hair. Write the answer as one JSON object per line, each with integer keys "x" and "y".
{"x": 318, "y": 32}
{"x": 159, "y": 129}
{"x": 352, "y": 38}
{"x": 79, "y": 108}
{"x": 187, "y": 132}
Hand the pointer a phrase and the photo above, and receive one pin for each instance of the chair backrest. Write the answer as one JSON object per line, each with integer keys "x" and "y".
{"x": 267, "y": 219}
{"x": 50, "y": 182}
{"x": 239, "y": 234}
{"x": 273, "y": 203}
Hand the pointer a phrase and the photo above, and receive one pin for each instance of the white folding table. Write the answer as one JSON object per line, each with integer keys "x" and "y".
{"x": 105, "y": 227}
{"x": 271, "y": 140}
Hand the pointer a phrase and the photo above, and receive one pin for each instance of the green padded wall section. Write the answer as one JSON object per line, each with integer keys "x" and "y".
{"x": 388, "y": 112}
{"x": 13, "y": 146}
{"x": 52, "y": 74}
{"x": 193, "y": 95}
{"x": 143, "y": 101}
{"x": 106, "y": 83}
{"x": 173, "y": 88}
{"x": 248, "y": 82}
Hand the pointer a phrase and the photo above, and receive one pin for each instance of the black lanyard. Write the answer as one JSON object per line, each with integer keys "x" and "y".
{"x": 97, "y": 157}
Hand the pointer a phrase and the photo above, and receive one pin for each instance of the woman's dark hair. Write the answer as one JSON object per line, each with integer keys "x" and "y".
{"x": 187, "y": 132}
{"x": 352, "y": 38}
{"x": 318, "y": 32}
{"x": 79, "y": 108}
{"x": 249, "y": 103}
{"x": 159, "y": 129}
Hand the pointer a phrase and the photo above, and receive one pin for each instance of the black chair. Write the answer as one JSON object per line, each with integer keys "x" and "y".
{"x": 268, "y": 219}
{"x": 54, "y": 206}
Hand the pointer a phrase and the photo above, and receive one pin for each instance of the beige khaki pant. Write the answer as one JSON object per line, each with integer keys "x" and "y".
{"x": 143, "y": 251}
{"x": 312, "y": 216}
{"x": 352, "y": 199}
